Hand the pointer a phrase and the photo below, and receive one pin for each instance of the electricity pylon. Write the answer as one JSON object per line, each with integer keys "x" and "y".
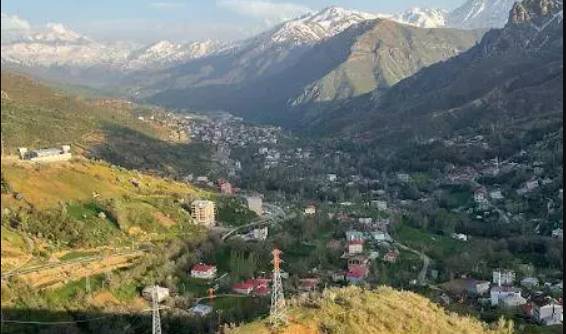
{"x": 277, "y": 312}
{"x": 155, "y": 312}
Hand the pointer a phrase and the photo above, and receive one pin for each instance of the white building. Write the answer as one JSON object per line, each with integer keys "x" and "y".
{"x": 459, "y": 236}
{"x": 203, "y": 212}
{"x": 203, "y": 271}
{"x": 46, "y": 154}
{"x": 558, "y": 233}
{"x": 331, "y": 177}
{"x": 201, "y": 310}
{"x": 381, "y": 205}
{"x": 355, "y": 247}
{"x": 548, "y": 313}
{"x": 503, "y": 277}
{"x": 496, "y": 195}
{"x": 403, "y": 177}
{"x": 161, "y": 293}
{"x": 498, "y": 295}
{"x": 310, "y": 210}
{"x": 255, "y": 204}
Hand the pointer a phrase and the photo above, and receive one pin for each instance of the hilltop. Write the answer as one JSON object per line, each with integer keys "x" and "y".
{"x": 384, "y": 310}
{"x": 37, "y": 115}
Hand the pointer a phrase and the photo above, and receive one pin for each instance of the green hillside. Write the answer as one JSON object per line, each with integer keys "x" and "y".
{"x": 354, "y": 310}
{"x": 35, "y": 115}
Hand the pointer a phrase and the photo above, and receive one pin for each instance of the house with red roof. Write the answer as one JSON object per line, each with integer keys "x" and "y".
{"x": 356, "y": 274}
{"x": 203, "y": 271}
{"x": 257, "y": 286}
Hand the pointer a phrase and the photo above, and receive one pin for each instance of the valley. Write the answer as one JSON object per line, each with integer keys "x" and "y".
{"x": 341, "y": 172}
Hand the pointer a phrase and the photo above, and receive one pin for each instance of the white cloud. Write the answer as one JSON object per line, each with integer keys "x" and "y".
{"x": 166, "y": 5}
{"x": 269, "y": 12}
{"x": 13, "y": 23}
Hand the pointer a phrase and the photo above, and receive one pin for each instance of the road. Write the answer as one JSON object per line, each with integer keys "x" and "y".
{"x": 275, "y": 215}
{"x": 421, "y": 278}
{"x": 89, "y": 259}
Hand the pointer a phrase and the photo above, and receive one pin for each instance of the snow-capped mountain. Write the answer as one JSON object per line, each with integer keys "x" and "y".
{"x": 422, "y": 17}
{"x": 165, "y": 53}
{"x": 60, "y": 46}
{"x": 57, "y": 45}
{"x": 475, "y": 14}
{"x": 315, "y": 27}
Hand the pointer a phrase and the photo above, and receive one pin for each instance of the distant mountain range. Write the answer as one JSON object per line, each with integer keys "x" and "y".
{"x": 510, "y": 82}
{"x": 58, "y": 46}
{"x": 295, "y": 70}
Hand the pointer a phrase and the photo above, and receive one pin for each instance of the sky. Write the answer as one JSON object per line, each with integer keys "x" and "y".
{"x": 145, "y": 21}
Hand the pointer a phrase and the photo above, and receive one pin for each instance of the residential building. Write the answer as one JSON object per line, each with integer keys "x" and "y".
{"x": 331, "y": 177}
{"x": 499, "y": 293}
{"x": 202, "y": 179}
{"x": 403, "y": 177}
{"x": 257, "y": 286}
{"x": 201, "y": 310}
{"x": 243, "y": 288}
{"x": 558, "y": 233}
{"x": 255, "y": 204}
{"x": 46, "y": 154}
{"x": 354, "y": 235}
{"x": 355, "y": 247}
{"x": 356, "y": 276}
{"x": 161, "y": 293}
{"x": 258, "y": 234}
{"x": 503, "y": 277}
{"x": 459, "y": 236}
{"x": 496, "y": 195}
{"x": 547, "y": 311}
{"x": 476, "y": 287}
{"x": 203, "y": 212}
{"x": 381, "y": 205}
{"x": 310, "y": 210}
{"x": 469, "y": 286}
{"x": 203, "y": 271}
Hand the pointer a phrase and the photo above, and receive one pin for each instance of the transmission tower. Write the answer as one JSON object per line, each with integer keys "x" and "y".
{"x": 277, "y": 312}
{"x": 155, "y": 312}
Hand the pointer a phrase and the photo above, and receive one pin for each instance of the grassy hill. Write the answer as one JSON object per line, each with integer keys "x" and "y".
{"x": 353, "y": 310}
{"x": 35, "y": 115}
{"x": 86, "y": 205}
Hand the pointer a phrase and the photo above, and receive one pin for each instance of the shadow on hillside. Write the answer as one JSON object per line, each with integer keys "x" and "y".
{"x": 24, "y": 321}
{"x": 132, "y": 149}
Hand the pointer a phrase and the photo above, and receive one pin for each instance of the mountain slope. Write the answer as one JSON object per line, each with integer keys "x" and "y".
{"x": 372, "y": 54}
{"x": 422, "y": 17}
{"x": 474, "y": 14}
{"x": 384, "y": 310}
{"x": 384, "y": 55}
{"x": 35, "y": 115}
{"x": 514, "y": 76}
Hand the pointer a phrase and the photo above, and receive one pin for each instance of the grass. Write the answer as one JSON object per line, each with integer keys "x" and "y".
{"x": 70, "y": 291}
{"x": 384, "y": 310}
{"x": 434, "y": 245}
{"x": 35, "y": 115}
{"x": 77, "y": 255}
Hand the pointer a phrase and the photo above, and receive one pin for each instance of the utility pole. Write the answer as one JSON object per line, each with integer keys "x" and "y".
{"x": 155, "y": 312}
{"x": 277, "y": 312}
{"x": 87, "y": 285}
